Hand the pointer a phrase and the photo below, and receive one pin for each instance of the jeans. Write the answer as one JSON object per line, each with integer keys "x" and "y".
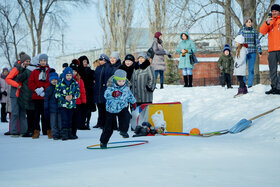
{"x": 187, "y": 71}
{"x": 250, "y": 59}
{"x": 161, "y": 77}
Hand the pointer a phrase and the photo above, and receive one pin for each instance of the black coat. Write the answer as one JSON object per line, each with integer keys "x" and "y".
{"x": 102, "y": 74}
{"x": 88, "y": 76}
{"x": 128, "y": 70}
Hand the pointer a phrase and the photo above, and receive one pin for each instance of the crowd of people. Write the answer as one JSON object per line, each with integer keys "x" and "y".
{"x": 32, "y": 93}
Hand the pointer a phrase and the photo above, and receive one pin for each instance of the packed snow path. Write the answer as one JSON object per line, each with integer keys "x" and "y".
{"x": 250, "y": 158}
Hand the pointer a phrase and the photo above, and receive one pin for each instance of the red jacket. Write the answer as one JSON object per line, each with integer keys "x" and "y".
{"x": 82, "y": 99}
{"x": 34, "y": 82}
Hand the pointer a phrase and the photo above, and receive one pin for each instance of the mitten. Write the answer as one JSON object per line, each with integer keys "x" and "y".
{"x": 169, "y": 56}
{"x": 149, "y": 89}
{"x": 42, "y": 94}
{"x": 221, "y": 68}
{"x": 116, "y": 93}
{"x": 236, "y": 65}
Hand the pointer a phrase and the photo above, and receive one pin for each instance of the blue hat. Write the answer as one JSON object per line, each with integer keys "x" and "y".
{"x": 43, "y": 56}
{"x": 115, "y": 54}
{"x": 142, "y": 54}
{"x": 68, "y": 70}
{"x": 104, "y": 57}
{"x": 53, "y": 75}
{"x": 120, "y": 75}
{"x": 226, "y": 47}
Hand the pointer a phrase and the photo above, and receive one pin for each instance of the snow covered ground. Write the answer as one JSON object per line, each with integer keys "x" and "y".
{"x": 248, "y": 159}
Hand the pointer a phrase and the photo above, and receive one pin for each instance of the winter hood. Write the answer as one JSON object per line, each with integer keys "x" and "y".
{"x": 185, "y": 32}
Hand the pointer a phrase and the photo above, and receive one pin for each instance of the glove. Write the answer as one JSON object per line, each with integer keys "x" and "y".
{"x": 149, "y": 89}
{"x": 169, "y": 56}
{"x": 221, "y": 68}
{"x": 116, "y": 93}
{"x": 4, "y": 93}
{"x": 42, "y": 94}
{"x": 236, "y": 65}
{"x": 133, "y": 106}
{"x": 39, "y": 90}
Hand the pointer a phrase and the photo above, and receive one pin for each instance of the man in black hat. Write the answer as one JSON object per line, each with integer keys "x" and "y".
{"x": 271, "y": 26}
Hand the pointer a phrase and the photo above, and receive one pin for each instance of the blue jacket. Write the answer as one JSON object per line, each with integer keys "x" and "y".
{"x": 102, "y": 74}
{"x": 116, "y": 104}
{"x": 50, "y": 102}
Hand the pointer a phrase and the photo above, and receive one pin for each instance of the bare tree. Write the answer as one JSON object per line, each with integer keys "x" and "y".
{"x": 116, "y": 24}
{"x": 36, "y": 13}
{"x": 157, "y": 15}
{"x": 10, "y": 26}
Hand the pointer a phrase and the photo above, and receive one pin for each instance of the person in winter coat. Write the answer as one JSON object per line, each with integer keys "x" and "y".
{"x": 51, "y": 106}
{"x": 18, "y": 114}
{"x": 240, "y": 64}
{"x": 143, "y": 80}
{"x": 67, "y": 91}
{"x": 38, "y": 83}
{"x": 102, "y": 74}
{"x": 9, "y": 109}
{"x": 271, "y": 26}
{"x": 3, "y": 94}
{"x": 185, "y": 48}
{"x": 115, "y": 62}
{"x": 252, "y": 39}
{"x": 80, "y": 102}
{"x": 118, "y": 96}
{"x": 225, "y": 64}
{"x": 158, "y": 61}
{"x": 128, "y": 66}
{"x": 88, "y": 76}
{"x": 25, "y": 97}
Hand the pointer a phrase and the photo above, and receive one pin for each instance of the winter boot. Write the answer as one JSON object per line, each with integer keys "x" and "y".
{"x": 70, "y": 135}
{"x": 7, "y": 133}
{"x": 103, "y": 145}
{"x": 124, "y": 134}
{"x": 240, "y": 92}
{"x": 49, "y": 133}
{"x": 271, "y": 91}
{"x": 27, "y": 134}
{"x": 161, "y": 86}
{"x": 186, "y": 81}
{"x": 97, "y": 126}
{"x": 190, "y": 80}
{"x": 64, "y": 134}
{"x": 245, "y": 90}
{"x": 36, "y": 134}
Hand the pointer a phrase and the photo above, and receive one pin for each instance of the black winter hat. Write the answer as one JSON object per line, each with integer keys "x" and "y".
{"x": 129, "y": 57}
{"x": 74, "y": 66}
{"x": 82, "y": 58}
{"x": 275, "y": 7}
{"x": 64, "y": 65}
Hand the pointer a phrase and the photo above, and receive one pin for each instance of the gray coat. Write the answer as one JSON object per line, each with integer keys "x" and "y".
{"x": 158, "y": 60}
{"x": 143, "y": 83}
{"x": 3, "y": 87}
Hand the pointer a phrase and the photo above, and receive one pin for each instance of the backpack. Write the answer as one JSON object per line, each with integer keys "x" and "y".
{"x": 151, "y": 53}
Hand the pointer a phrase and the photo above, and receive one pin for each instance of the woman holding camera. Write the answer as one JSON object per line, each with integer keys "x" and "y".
{"x": 185, "y": 48}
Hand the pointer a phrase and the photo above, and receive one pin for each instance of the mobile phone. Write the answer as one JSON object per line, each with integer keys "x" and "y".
{"x": 270, "y": 15}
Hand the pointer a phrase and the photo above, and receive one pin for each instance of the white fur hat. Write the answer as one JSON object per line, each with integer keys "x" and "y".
{"x": 239, "y": 39}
